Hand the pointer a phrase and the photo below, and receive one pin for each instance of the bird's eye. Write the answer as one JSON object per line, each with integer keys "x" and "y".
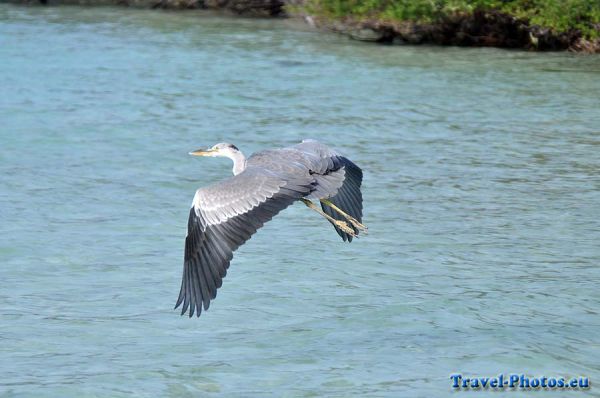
{"x": 233, "y": 147}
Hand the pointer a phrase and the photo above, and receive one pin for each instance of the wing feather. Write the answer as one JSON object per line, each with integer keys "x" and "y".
{"x": 348, "y": 197}
{"x": 338, "y": 179}
{"x": 223, "y": 217}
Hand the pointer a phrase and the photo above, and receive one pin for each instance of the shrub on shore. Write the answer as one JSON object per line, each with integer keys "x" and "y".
{"x": 556, "y": 15}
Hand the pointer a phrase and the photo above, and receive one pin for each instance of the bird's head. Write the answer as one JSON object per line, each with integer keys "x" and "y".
{"x": 222, "y": 149}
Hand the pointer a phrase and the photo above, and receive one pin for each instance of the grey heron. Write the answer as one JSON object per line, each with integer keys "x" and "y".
{"x": 224, "y": 215}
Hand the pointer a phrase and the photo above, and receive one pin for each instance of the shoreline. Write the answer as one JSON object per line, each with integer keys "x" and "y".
{"x": 248, "y": 8}
{"x": 480, "y": 29}
{"x": 477, "y": 29}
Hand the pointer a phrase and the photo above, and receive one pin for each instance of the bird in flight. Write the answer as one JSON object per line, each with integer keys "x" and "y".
{"x": 224, "y": 215}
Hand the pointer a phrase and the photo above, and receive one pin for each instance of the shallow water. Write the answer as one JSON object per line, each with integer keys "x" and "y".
{"x": 482, "y": 194}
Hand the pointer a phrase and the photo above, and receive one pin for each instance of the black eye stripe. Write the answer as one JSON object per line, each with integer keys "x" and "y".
{"x": 233, "y": 147}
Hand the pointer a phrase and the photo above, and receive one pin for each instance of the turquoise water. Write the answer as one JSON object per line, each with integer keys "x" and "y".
{"x": 482, "y": 194}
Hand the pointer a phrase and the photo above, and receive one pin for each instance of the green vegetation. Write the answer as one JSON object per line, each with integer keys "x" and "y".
{"x": 558, "y": 15}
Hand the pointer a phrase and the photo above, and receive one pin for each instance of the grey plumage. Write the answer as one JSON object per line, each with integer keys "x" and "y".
{"x": 226, "y": 214}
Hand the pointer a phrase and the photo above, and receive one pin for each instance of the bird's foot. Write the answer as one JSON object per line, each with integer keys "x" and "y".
{"x": 357, "y": 224}
{"x": 361, "y": 227}
{"x": 343, "y": 225}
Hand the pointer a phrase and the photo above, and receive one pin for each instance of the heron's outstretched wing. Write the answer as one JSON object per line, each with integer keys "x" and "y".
{"x": 224, "y": 216}
{"x": 338, "y": 180}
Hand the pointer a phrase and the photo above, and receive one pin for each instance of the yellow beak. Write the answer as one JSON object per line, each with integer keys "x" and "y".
{"x": 202, "y": 152}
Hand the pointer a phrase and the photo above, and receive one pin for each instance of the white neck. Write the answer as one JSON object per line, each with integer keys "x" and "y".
{"x": 239, "y": 161}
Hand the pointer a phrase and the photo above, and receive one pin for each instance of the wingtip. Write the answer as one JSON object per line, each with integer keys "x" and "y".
{"x": 183, "y": 310}
{"x": 189, "y": 313}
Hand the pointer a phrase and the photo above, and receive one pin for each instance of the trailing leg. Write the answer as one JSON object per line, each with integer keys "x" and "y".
{"x": 348, "y": 217}
{"x": 338, "y": 223}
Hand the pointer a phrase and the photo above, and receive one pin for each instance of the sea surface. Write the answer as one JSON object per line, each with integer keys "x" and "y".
{"x": 481, "y": 193}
